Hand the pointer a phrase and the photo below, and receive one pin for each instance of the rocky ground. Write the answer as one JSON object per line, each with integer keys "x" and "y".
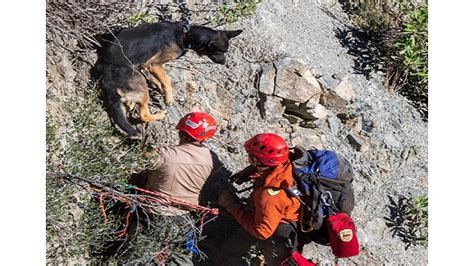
{"x": 291, "y": 72}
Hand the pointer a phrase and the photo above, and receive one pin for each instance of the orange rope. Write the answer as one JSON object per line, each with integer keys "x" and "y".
{"x": 179, "y": 203}
{"x": 162, "y": 255}
{"x": 102, "y": 207}
{"x": 160, "y": 198}
{"x": 124, "y": 232}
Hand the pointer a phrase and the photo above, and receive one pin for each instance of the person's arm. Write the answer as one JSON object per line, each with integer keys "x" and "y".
{"x": 158, "y": 162}
{"x": 243, "y": 175}
{"x": 263, "y": 223}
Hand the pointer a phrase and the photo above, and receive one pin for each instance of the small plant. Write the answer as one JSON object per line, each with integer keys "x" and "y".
{"x": 231, "y": 13}
{"x": 419, "y": 213}
{"x": 142, "y": 17}
{"x": 372, "y": 20}
{"x": 413, "y": 44}
{"x": 408, "y": 219}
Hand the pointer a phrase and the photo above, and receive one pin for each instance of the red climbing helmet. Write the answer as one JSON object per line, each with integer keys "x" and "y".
{"x": 270, "y": 149}
{"x": 198, "y": 125}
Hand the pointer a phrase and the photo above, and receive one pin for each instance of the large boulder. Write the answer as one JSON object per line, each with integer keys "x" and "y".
{"x": 295, "y": 81}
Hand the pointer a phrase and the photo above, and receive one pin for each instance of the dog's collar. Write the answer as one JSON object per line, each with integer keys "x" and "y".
{"x": 187, "y": 24}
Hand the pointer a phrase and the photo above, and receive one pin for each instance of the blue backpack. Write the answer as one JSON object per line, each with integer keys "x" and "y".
{"x": 323, "y": 185}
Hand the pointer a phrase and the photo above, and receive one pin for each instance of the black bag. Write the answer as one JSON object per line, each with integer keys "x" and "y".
{"x": 324, "y": 186}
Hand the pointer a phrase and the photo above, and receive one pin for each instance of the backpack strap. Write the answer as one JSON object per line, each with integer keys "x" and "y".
{"x": 315, "y": 207}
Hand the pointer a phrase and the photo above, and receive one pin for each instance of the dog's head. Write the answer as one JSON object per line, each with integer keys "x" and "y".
{"x": 211, "y": 43}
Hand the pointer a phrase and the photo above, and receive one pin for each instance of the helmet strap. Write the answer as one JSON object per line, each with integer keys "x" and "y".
{"x": 185, "y": 138}
{"x": 257, "y": 163}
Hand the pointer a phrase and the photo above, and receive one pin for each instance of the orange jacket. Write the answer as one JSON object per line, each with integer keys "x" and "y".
{"x": 272, "y": 204}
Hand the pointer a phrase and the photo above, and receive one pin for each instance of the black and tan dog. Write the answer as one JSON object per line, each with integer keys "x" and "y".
{"x": 138, "y": 52}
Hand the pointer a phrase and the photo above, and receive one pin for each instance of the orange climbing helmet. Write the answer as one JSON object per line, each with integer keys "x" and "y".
{"x": 270, "y": 149}
{"x": 198, "y": 125}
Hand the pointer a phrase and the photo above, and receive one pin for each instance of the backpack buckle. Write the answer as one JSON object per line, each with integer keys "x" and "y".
{"x": 327, "y": 199}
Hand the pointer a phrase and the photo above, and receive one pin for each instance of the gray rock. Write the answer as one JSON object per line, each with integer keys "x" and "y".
{"x": 357, "y": 142}
{"x": 317, "y": 72}
{"x": 267, "y": 79}
{"x": 319, "y": 112}
{"x": 391, "y": 142}
{"x": 362, "y": 236}
{"x": 382, "y": 155}
{"x": 313, "y": 102}
{"x": 374, "y": 229}
{"x": 273, "y": 108}
{"x": 368, "y": 125}
{"x": 333, "y": 124}
{"x": 384, "y": 169}
{"x": 396, "y": 124}
{"x": 306, "y": 137}
{"x": 329, "y": 82}
{"x": 294, "y": 81}
{"x": 345, "y": 90}
{"x": 334, "y": 102}
{"x": 309, "y": 124}
{"x": 355, "y": 123}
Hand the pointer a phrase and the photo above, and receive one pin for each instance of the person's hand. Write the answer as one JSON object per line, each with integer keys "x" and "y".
{"x": 243, "y": 175}
{"x": 227, "y": 198}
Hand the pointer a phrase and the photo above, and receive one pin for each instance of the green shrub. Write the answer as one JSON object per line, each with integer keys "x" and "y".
{"x": 373, "y": 20}
{"x": 82, "y": 143}
{"x": 231, "y": 13}
{"x": 399, "y": 29}
{"x": 418, "y": 213}
{"x": 94, "y": 148}
{"x": 141, "y": 17}
{"x": 413, "y": 44}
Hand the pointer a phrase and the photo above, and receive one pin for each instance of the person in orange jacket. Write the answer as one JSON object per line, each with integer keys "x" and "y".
{"x": 270, "y": 221}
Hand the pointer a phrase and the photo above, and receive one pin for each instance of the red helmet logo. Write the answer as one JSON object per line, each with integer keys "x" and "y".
{"x": 198, "y": 125}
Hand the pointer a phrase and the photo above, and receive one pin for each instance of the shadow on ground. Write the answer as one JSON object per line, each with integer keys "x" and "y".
{"x": 401, "y": 223}
{"x": 366, "y": 57}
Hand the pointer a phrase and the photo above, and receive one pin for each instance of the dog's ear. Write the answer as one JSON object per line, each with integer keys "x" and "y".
{"x": 232, "y": 33}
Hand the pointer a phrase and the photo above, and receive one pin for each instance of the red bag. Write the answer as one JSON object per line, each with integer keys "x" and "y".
{"x": 296, "y": 259}
{"x": 342, "y": 235}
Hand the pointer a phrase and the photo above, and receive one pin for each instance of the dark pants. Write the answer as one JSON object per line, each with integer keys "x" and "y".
{"x": 214, "y": 234}
{"x": 275, "y": 249}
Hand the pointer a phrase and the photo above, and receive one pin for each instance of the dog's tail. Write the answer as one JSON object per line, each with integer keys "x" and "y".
{"x": 117, "y": 113}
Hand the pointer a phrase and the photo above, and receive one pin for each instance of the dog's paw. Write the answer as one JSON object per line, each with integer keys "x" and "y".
{"x": 160, "y": 115}
{"x": 169, "y": 99}
{"x": 136, "y": 136}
